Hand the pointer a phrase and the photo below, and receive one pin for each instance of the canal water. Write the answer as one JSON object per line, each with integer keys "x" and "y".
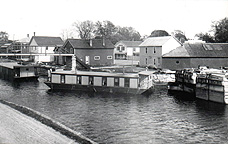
{"x": 126, "y": 119}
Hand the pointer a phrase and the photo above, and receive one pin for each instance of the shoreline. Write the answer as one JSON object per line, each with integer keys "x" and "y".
{"x": 62, "y": 129}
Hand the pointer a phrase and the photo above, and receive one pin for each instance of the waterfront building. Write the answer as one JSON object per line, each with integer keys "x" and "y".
{"x": 93, "y": 52}
{"x": 127, "y": 50}
{"x": 152, "y": 49}
{"x": 193, "y": 55}
{"x": 44, "y": 45}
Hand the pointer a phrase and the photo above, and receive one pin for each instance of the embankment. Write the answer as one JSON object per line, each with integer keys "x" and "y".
{"x": 51, "y": 123}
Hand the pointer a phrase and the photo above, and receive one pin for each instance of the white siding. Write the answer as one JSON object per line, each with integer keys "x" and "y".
{"x": 133, "y": 83}
{"x": 55, "y": 78}
{"x": 85, "y": 80}
{"x": 26, "y": 72}
{"x": 97, "y": 81}
{"x": 171, "y": 44}
{"x": 121, "y": 82}
{"x": 70, "y": 79}
{"x": 110, "y": 81}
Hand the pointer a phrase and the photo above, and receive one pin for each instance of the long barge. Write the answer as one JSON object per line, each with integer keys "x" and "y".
{"x": 137, "y": 83}
{"x": 206, "y": 84}
{"x": 13, "y": 71}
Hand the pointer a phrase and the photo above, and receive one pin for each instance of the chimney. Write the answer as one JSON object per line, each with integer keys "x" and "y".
{"x": 103, "y": 41}
{"x": 91, "y": 42}
{"x": 34, "y": 33}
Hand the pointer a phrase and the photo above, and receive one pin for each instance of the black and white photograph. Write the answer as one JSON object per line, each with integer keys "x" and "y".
{"x": 114, "y": 72}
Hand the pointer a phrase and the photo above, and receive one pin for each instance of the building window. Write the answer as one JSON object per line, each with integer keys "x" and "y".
{"x": 90, "y": 80}
{"x": 146, "y": 50}
{"x": 159, "y": 60}
{"x": 118, "y": 48}
{"x": 104, "y": 81}
{"x": 109, "y": 57}
{"x": 116, "y": 81}
{"x": 97, "y": 57}
{"x": 71, "y": 50}
{"x": 154, "y": 50}
{"x": 79, "y": 79}
{"x": 123, "y": 48}
{"x": 62, "y": 78}
{"x": 126, "y": 82}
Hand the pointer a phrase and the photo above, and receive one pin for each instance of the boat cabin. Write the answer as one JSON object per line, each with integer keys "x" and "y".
{"x": 13, "y": 71}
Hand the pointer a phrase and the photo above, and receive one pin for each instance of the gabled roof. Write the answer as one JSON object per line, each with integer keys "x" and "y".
{"x": 130, "y": 43}
{"x": 47, "y": 41}
{"x": 200, "y": 50}
{"x": 96, "y": 43}
{"x": 156, "y": 41}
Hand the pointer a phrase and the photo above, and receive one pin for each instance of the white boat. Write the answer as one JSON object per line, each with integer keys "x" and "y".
{"x": 138, "y": 83}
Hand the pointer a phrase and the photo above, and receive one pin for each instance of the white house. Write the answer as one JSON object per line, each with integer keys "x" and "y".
{"x": 152, "y": 49}
{"x": 44, "y": 45}
{"x": 127, "y": 49}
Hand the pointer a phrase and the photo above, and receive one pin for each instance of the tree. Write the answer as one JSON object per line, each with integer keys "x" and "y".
{"x": 105, "y": 29}
{"x": 205, "y": 37}
{"x": 85, "y": 29}
{"x": 220, "y": 29}
{"x": 125, "y": 33}
{"x": 4, "y": 36}
{"x": 159, "y": 33}
{"x": 178, "y": 34}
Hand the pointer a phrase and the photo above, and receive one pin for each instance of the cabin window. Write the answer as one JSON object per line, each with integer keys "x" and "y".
{"x": 90, "y": 80}
{"x": 126, "y": 82}
{"x": 116, "y": 81}
{"x": 46, "y": 47}
{"x": 146, "y": 50}
{"x": 97, "y": 57}
{"x": 62, "y": 78}
{"x": 109, "y": 57}
{"x": 177, "y": 62}
{"x": 79, "y": 79}
{"x": 27, "y": 69}
{"x": 154, "y": 61}
{"x": 146, "y": 61}
{"x": 154, "y": 50}
{"x": 104, "y": 81}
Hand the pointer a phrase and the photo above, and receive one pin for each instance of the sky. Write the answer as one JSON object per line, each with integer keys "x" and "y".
{"x": 53, "y": 17}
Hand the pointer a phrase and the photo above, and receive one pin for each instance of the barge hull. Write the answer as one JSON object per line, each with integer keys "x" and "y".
{"x": 90, "y": 88}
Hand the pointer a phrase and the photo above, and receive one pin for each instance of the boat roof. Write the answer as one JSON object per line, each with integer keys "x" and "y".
{"x": 93, "y": 73}
{"x": 11, "y": 65}
{"x": 146, "y": 72}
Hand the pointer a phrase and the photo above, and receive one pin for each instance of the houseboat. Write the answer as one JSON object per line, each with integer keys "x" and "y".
{"x": 134, "y": 83}
{"x": 212, "y": 86}
{"x": 13, "y": 71}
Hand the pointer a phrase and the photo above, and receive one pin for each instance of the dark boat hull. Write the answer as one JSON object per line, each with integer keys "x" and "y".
{"x": 91, "y": 88}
